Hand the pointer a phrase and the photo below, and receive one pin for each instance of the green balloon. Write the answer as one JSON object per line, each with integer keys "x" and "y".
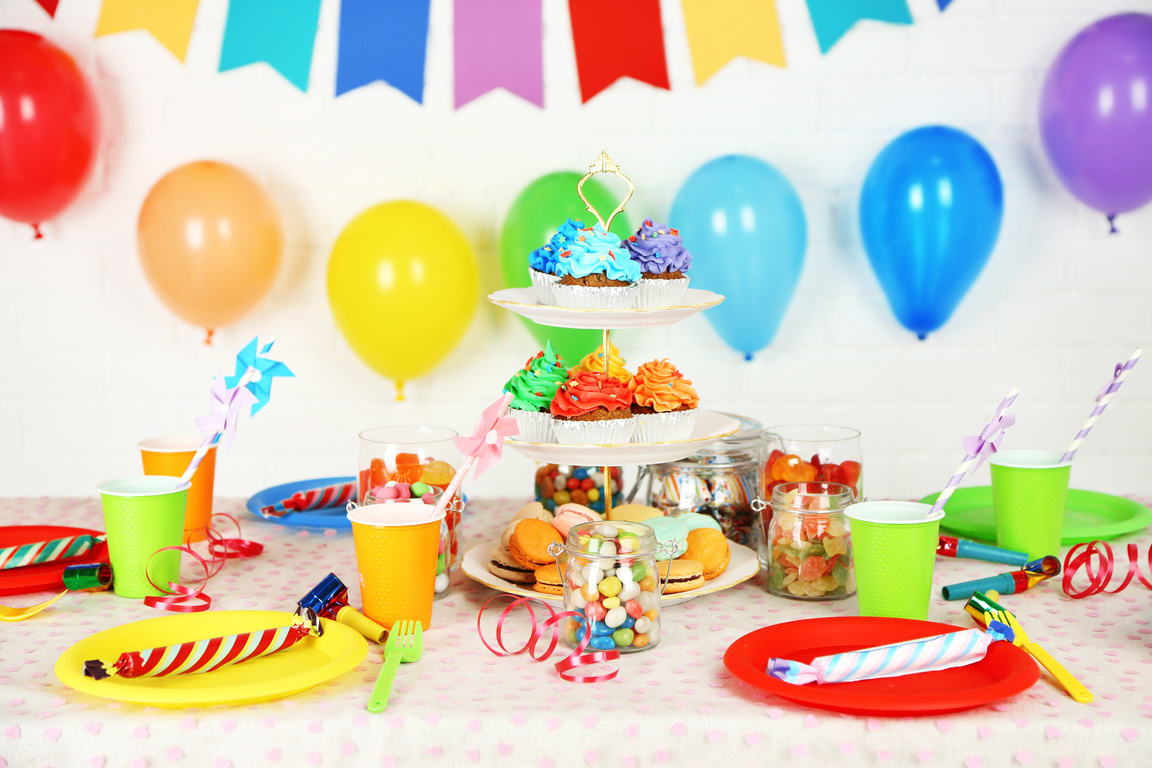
{"x": 533, "y": 219}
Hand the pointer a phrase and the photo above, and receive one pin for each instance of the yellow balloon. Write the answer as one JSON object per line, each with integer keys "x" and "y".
{"x": 403, "y": 284}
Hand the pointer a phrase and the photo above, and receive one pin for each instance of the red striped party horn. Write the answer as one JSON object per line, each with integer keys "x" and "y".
{"x": 314, "y": 498}
{"x": 47, "y": 551}
{"x": 198, "y": 655}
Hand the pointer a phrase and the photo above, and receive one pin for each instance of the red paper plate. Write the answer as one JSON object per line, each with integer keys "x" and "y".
{"x": 1004, "y": 671}
{"x": 45, "y": 576}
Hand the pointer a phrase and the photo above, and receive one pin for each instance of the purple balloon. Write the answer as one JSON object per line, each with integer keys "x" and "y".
{"x": 1096, "y": 114}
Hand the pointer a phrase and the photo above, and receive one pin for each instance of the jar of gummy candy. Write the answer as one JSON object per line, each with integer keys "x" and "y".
{"x": 809, "y": 544}
{"x": 558, "y": 484}
{"x": 402, "y": 491}
{"x": 611, "y": 581}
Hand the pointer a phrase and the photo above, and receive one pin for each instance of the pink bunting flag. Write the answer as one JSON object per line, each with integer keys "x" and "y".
{"x": 499, "y": 45}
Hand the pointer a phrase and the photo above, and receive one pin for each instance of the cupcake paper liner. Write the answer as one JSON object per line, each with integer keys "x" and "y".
{"x": 535, "y": 426}
{"x": 587, "y": 297}
{"x": 542, "y": 282}
{"x": 660, "y": 293}
{"x": 609, "y": 431}
{"x": 659, "y": 427}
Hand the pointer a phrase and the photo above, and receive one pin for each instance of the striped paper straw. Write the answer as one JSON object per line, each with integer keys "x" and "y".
{"x": 966, "y": 464}
{"x": 1102, "y": 401}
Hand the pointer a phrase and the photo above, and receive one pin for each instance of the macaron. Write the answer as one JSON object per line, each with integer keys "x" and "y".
{"x": 534, "y": 510}
{"x": 682, "y": 575}
{"x": 548, "y": 580}
{"x": 502, "y": 564}
{"x": 506, "y": 537}
{"x": 695, "y": 520}
{"x": 530, "y": 541}
{"x": 635, "y": 513}
{"x": 710, "y": 549}
{"x": 568, "y": 515}
{"x": 670, "y": 532}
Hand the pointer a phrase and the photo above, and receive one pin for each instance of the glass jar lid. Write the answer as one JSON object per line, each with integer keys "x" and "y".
{"x": 812, "y": 497}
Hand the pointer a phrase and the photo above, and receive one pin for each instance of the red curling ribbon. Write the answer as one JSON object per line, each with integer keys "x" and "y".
{"x": 574, "y": 660}
{"x": 181, "y": 599}
{"x": 1100, "y": 571}
{"x": 222, "y": 548}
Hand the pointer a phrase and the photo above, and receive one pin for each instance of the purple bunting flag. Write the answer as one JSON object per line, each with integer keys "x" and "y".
{"x": 499, "y": 45}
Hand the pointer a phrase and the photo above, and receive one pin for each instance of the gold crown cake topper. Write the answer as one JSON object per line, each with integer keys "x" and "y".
{"x": 604, "y": 164}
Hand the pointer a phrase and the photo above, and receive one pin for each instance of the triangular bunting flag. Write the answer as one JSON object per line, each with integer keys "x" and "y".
{"x": 499, "y": 45}
{"x": 721, "y": 30}
{"x": 831, "y": 19}
{"x": 278, "y": 32}
{"x": 169, "y": 22}
{"x": 603, "y": 56}
{"x": 49, "y": 6}
{"x": 383, "y": 40}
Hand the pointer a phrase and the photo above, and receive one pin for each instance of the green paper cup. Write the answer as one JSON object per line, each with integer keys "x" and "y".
{"x": 894, "y": 548}
{"x": 1029, "y": 489}
{"x": 142, "y": 515}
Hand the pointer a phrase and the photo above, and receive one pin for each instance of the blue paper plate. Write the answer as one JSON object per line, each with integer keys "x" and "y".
{"x": 331, "y": 518}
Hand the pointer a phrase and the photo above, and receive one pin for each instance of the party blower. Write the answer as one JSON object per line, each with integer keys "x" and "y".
{"x": 329, "y": 600}
{"x": 950, "y": 546}
{"x": 1007, "y": 583}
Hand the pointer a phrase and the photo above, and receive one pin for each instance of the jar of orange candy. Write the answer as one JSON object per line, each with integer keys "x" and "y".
{"x": 413, "y": 456}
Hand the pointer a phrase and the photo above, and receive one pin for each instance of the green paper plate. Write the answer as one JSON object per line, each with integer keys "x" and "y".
{"x": 1088, "y": 515}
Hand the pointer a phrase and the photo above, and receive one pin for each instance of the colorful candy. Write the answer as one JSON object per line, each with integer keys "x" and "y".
{"x": 198, "y": 656}
{"x": 557, "y": 485}
{"x": 410, "y": 471}
{"x": 46, "y": 551}
{"x": 809, "y": 547}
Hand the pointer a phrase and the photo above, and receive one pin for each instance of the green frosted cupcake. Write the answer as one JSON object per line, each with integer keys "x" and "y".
{"x": 532, "y": 389}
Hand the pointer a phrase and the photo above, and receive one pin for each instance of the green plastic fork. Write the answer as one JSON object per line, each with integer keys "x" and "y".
{"x": 405, "y": 643}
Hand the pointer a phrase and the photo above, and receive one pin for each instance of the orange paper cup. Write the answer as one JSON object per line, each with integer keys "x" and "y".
{"x": 171, "y": 456}
{"x": 396, "y": 547}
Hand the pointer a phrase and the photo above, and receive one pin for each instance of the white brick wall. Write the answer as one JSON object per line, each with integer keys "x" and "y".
{"x": 93, "y": 362}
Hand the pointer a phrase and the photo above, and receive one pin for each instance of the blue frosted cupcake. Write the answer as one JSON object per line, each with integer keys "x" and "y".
{"x": 596, "y": 272}
{"x": 542, "y": 261}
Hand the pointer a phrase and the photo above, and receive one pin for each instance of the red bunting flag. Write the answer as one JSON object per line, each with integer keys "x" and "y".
{"x": 617, "y": 39}
{"x": 49, "y": 6}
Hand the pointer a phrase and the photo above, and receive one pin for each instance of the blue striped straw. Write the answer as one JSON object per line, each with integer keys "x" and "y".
{"x": 1102, "y": 401}
{"x": 966, "y": 464}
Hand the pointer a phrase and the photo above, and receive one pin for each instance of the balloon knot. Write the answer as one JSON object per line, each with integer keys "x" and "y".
{"x": 399, "y": 391}
{"x": 38, "y": 234}
{"x": 1112, "y": 224}
{"x": 921, "y": 336}
{"x": 748, "y": 356}
{"x": 208, "y": 336}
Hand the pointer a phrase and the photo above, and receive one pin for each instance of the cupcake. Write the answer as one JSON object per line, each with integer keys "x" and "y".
{"x": 542, "y": 261}
{"x": 663, "y": 262}
{"x": 532, "y": 389}
{"x": 594, "y": 362}
{"x": 663, "y": 403}
{"x": 596, "y": 272}
{"x": 591, "y": 408}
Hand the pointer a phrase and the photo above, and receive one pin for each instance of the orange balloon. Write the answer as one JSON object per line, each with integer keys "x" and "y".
{"x": 210, "y": 242}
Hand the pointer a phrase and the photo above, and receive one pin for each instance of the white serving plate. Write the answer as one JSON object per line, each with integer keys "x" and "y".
{"x": 709, "y": 426}
{"x": 743, "y": 565}
{"x": 523, "y": 302}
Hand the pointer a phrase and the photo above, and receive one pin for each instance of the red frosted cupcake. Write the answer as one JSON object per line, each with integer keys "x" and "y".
{"x": 592, "y": 408}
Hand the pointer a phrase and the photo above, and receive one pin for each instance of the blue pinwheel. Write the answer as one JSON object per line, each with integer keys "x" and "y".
{"x": 266, "y": 369}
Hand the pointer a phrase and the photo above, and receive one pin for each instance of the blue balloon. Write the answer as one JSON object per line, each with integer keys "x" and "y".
{"x": 930, "y": 213}
{"x": 744, "y": 224}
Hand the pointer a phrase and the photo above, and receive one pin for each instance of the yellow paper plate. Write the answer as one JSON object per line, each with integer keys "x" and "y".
{"x": 310, "y": 662}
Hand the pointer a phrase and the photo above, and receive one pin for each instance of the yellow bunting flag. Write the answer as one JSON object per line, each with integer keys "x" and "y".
{"x": 721, "y": 30}
{"x": 170, "y": 21}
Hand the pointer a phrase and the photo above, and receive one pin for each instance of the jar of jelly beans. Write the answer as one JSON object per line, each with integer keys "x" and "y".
{"x": 809, "y": 543}
{"x": 611, "y": 581}
{"x": 558, "y": 484}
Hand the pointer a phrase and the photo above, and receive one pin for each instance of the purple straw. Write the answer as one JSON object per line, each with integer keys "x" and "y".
{"x": 979, "y": 443}
{"x": 1102, "y": 401}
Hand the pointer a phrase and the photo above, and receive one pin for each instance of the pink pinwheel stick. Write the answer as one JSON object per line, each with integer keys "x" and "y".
{"x": 1102, "y": 401}
{"x": 211, "y": 438}
{"x": 970, "y": 458}
{"x": 454, "y": 484}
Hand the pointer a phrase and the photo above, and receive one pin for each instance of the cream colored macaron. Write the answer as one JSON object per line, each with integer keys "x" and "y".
{"x": 533, "y": 510}
{"x": 635, "y": 513}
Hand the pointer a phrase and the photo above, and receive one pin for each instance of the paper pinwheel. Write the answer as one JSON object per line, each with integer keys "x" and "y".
{"x": 487, "y": 440}
{"x": 226, "y": 406}
{"x": 265, "y": 369}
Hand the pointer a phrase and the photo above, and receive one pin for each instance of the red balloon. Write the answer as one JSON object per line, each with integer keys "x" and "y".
{"x": 49, "y": 128}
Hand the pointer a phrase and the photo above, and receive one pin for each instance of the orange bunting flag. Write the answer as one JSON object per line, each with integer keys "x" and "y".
{"x": 721, "y": 30}
{"x": 170, "y": 22}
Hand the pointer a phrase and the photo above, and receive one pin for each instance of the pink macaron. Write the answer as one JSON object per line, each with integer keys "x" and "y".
{"x": 568, "y": 515}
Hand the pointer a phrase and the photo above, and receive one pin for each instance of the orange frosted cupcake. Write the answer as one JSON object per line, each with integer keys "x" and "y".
{"x": 663, "y": 403}
{"x": 592, "y": 408}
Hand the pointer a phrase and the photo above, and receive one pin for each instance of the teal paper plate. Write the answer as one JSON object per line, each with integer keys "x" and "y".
{"x": 1088, "y": 515}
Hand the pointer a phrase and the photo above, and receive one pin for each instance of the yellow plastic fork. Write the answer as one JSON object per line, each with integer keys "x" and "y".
{"x": 1075, "y": 689}
{"x": 405, "y": 643}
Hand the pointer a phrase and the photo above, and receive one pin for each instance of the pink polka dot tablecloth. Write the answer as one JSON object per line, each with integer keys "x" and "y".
{"x": 461, "y": 706}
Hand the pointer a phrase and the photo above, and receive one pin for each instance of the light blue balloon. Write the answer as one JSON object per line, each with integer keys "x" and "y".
{"x": 930, "y": 213}
{"x": 744, "y": 224}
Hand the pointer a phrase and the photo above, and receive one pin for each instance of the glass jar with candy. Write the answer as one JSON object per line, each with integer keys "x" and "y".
{"x": 394, "y": 491}
{"x": 419, "y": 457}
{"x": 611, "y": 581}
{"x": 809, "y": 543}
{"x": 558, "y": 484}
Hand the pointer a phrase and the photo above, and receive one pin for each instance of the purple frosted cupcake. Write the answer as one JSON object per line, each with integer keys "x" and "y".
{"x": 664, "y": 262}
